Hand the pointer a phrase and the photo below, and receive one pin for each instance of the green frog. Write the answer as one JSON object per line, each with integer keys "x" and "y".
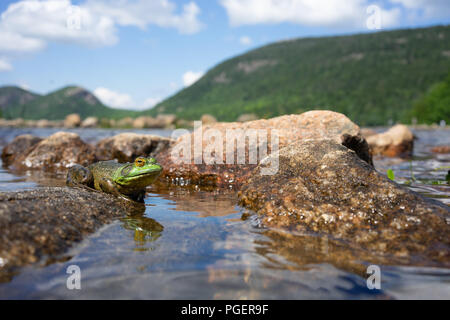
{"x": 124, "y": 180}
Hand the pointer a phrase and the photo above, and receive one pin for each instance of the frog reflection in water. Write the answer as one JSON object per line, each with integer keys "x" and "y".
{"x": 124, "y": 180}
{"x": 145, "y": 229}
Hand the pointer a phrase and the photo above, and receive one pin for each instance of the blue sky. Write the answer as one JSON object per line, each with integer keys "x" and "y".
{"x": 133, "y": 53}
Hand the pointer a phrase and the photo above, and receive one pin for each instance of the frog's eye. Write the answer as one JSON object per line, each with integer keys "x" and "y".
{"x": 139, "y": 162}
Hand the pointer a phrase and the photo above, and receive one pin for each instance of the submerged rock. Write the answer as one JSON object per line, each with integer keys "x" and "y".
{"x": 125, "y": 147}
{"x": 398, "y": 141}
{"x": 324, "y": 187}
{"x": 45, "y": 222}
{"x": 57, "y": 153}
{"x": 183, "y": 164}
{"x": 20, "y": 146}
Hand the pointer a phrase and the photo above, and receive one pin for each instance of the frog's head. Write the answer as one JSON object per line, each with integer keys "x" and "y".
{"x": 140, "y": 173}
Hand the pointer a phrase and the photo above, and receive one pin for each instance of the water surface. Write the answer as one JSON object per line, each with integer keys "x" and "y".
{"x": 195, "y": 244}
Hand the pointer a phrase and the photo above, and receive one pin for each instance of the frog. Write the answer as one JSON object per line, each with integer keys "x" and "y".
{"x": 127, "y": 181}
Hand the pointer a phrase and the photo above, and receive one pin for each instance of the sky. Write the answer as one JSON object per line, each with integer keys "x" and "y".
{"x": 134, "y": 53}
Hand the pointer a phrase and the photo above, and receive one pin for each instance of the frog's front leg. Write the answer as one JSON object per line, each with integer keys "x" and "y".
{"x": 79, "y": 176}
{"x": 108, "y": 186}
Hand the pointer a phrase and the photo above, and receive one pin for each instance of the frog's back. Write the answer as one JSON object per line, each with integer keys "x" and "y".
{"x": 104, "y": 168}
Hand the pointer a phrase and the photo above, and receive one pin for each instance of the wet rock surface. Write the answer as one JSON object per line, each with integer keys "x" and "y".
{"x": 290, "y": 129}
{"x": 55, "y": 153}
{"x": 325, "y": 188}
{"x": 125, "y": 147}
{"x": 44, "y": 223}
{"x": 21, "y": 145}
{"x": 441, "y": 149}
{"x": 398, "y": 141}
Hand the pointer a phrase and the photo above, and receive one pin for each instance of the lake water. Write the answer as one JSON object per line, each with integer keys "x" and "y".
{"x": 193, "y": 244}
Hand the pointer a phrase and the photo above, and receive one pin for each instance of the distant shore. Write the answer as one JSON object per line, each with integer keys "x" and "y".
{"x": 162, "y": 121}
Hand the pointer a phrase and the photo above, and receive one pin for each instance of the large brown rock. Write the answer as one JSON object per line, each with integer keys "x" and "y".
{"x": 125, "y": 147}
{"x": 398, "y": 141}
{"x": 323, "y": 187}
{"x": 57, "y": 153}
{"x": 44, "y": 223}
{"x": 290, "y": 128}
{"x": 19, "y": 147}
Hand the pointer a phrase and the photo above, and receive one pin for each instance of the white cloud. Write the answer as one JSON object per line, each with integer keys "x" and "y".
{"x": 321, "y": 13}
{"x": 29, "y": 25}
{"x": 150, "y": 103}
{"x": 114, "y": 99}
{"x": 5, "y": 65}
{"x": 38, "y": 22}
{"x": 24, "y": 86}
{"x": 244, "y": 40}
{"x": 190, "y": 77}
{"x": 14, "y": 42}
{"x": 141, "y": 13}
{"x": 429, "y": 9}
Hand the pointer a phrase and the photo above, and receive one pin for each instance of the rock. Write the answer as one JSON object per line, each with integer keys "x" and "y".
{"x": 45, "y": 222}
{"x": 247, "y": 117}
{"x": 20, "y": 146}
{"x": 366, "y": 132}
{"x": 441, "y": 149}
{"x": 398, "y": 141}
{"x": 182, "y": 123}
{"x": 43, "y": 123}
{"x": 72, "y": 120}
{"x": 290, "y": 128}
{"x": 323, "y": 187}
{"x": 208, "y": 119}
{"x": 148, "y": 122}
{"x": 126, "y": 122}
{"x": 107, "y": 123}
{"x": 89, "y": 122}
{"x": 141, "y": 122}
{"x": 57, "y": 153}
{"x": 19, "y": 122}
{"x": 166, "y": 120}
{"x": 125, "y": 147}
{"x": 30, "y": 123}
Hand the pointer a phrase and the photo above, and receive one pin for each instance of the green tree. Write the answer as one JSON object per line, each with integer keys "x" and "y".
{"x": 434, "y": 106}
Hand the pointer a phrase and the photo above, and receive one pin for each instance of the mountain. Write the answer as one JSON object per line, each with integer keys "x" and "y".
{"x": 58, "y": 104}
{"x": 11, "y": 96}
{"x": 372, "y": 77}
